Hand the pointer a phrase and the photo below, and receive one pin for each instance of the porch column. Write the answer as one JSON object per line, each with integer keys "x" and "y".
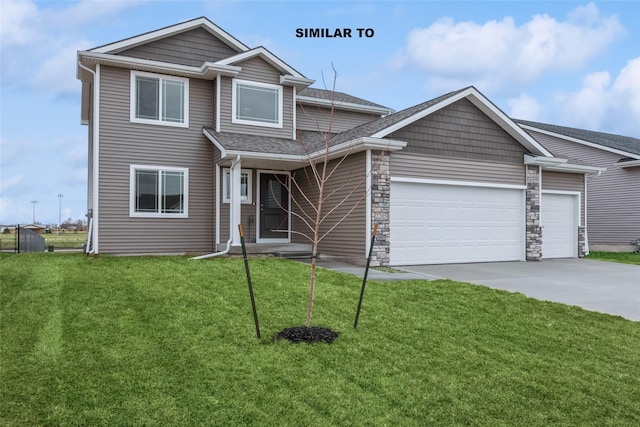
{"x": 234, "y": 202}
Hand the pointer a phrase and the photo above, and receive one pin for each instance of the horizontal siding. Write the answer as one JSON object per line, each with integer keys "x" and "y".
{"x": 560, "y": 181}
{"x": 123, "y": 143}
{"x": 613, "y": 199}
{"x": 410, "y": 165}
{"x": 460, "y": 130}
{"x": 257, "y": 70}
{"x": 348, "y": 239}
{"x": 191, "y": 48}
{"x": 320, "y": 119}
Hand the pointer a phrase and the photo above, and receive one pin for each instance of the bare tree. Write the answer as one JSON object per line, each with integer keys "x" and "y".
{"x": 310, "y": 193}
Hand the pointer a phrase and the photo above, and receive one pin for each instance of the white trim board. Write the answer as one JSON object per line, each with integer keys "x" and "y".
{"x": 458, "y": 183}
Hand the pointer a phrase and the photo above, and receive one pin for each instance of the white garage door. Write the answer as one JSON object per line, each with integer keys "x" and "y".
{"x": 559, "y": 220}
{"x": 440, "y": 224}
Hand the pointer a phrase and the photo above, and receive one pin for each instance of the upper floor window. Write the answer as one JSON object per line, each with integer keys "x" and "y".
{"x": 258, "y": 104}
{"x": 159, "y": 99}
{"x": 158, "y": 191}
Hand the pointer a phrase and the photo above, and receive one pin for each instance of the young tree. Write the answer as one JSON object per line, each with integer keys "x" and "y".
{"x": 311, "y": 193}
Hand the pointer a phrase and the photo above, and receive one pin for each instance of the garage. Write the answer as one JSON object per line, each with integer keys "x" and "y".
{"x": 559, "y": 220}
{"x": 443, "y": 223}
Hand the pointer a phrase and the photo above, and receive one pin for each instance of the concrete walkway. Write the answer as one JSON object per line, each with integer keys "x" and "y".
{"x": 383, "y": 276}
{"x": 605, "y": 287}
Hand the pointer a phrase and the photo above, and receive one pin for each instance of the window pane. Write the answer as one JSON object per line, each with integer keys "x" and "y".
{"x": 147, "y": 93}
{"x": 173, "y": 101}
{"x": 146, "y": 191}
{"x": 257, "y": 104}
{"x": 172, "y": 192}
{"x": 244, "y": 187}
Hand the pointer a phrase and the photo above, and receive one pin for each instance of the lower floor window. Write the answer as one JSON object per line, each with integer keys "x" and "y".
{"x": 159, "y": 191}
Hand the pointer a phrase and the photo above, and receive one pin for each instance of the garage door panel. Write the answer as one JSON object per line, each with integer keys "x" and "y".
{"x": 558, "y": 216}
{"x": 433, "y": 223}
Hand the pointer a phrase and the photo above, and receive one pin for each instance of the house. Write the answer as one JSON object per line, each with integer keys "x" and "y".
{"x": 191, "y": 132}
{"x": 613, "y": 212}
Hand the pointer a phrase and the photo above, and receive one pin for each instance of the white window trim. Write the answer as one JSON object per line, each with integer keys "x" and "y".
{"x": 132, "y": 102}
{"x": 132, "y": 192}
{"x": 225, "y": 198}
{"x": 234, "y": 119}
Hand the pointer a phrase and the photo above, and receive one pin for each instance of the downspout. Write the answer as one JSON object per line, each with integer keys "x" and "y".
{"x": 226, "y": 250}
{"x": 96, "y": 151}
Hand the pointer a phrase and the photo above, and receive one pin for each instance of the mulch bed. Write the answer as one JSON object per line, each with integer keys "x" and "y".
{"x": 308, "y": 335}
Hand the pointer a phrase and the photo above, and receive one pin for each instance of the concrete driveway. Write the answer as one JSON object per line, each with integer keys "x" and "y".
{"x": 606, "y": 287}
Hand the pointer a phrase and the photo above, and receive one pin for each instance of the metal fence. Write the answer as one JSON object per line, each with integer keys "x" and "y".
{"x": 28, "y": 241}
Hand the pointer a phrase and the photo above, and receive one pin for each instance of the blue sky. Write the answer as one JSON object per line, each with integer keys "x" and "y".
{"x": 563, "y": 62}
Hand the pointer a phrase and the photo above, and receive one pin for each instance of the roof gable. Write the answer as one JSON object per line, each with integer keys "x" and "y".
{"x": 192, "y": 47}
{"x": 169, "y": 31}
{"x": 267, "y": 56}
{"x": 387, "y": 125}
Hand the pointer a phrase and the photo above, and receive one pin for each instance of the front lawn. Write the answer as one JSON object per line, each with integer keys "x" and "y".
{"x": 623, "y": 257}
{"x": 171, "y": 341}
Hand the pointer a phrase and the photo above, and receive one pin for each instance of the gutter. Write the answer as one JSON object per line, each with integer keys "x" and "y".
{"x": 561, "y": 165}
{"x": 628, "y": 163}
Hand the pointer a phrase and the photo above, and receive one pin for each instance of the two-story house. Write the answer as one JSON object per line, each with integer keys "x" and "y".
{"x": 191, "y": 132}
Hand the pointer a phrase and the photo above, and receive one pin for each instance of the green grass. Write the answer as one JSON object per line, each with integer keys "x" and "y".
{"x": 170, "y": 341}
{"x": 623, "y": 257}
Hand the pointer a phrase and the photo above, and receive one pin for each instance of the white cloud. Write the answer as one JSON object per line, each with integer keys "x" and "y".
{"x": 499, "y": 53}
{"x": 18, "y": 23}
{"x": 526, "y": 107}
{"x": 56, "y": 73}
{"x": 603, "y": 104}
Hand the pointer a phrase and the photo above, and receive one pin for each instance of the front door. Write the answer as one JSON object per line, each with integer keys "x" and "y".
{"x": 274, "y": 207}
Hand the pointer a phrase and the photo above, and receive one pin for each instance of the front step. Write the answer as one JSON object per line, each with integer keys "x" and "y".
{"x": 284, "y": 250}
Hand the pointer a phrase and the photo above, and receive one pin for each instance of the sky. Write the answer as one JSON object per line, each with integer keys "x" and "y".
{"x": 570, "y": 63}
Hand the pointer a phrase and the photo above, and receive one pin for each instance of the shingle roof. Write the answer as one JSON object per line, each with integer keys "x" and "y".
{"x": 308, "y": 142}
{"x": 329, "y": 95}
{"x": 617, "y": 142}
{"x": 314, "y": 141}
{"x": 375, "y": 126}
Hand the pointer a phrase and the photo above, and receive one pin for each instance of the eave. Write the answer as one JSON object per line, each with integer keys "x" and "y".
{"x": 628, "y": 163}
{"x": 207, "y": 71}
{"x": 328, "y": 103}
{"x": 561, "y": 165}
{"x": 171, "y": 30}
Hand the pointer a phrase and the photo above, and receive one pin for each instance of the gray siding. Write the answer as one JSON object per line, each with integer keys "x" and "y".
{"x": 613, "y": 198}
{"x": 348, "y": 239}
{"x": 256, "y": 69}
{"x": 411, "y": 165}
{"x": 315, "y": 118}
{"x": 460, "y": 130}
{"x": 192, "y": 48}
{"x": 565, "y": 182}
{"x": 123, "y": 143}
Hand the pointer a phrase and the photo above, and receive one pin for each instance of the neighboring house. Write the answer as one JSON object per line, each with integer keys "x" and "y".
{"x": 191, "y": 132}
{"x": 613, "y": 213}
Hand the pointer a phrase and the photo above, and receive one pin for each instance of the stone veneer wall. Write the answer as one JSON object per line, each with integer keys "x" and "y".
{"x": 380, "y": 206}
{"x": 532, "y": 224}
{"x": 582, "y": 242}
